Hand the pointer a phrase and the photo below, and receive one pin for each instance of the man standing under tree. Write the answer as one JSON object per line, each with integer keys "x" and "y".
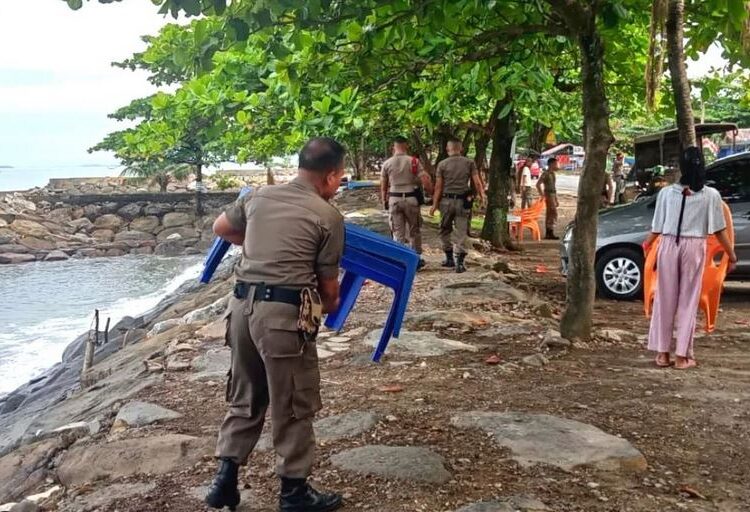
{"x": 618, "y": 175}
{"x": 452, "y": 198}
{"x": 292, "y": 242}
{"x": 402, "y": 194}
{"x": 547, "y": 187}
{"x": 524, "y": 182}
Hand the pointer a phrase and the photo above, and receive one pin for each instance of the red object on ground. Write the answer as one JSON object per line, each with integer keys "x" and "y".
{"x": 541, "y": 269}
{"x": 493, "y": 359}
{"x": 392, "y": 388}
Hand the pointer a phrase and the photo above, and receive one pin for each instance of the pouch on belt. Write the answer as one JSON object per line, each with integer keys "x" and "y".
{"x": 310, "y": 314}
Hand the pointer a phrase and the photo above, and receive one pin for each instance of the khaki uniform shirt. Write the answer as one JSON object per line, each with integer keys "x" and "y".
{"x": 397, "y": 170}
{"x": 456, "y": 172}
{"x": 292, "y": 236}
{"x": 549, "y": 182}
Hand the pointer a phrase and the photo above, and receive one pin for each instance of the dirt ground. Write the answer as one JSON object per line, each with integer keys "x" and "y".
{"x": 693, "y": 427}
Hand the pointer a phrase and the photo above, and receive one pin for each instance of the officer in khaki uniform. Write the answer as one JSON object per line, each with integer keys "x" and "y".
{"x": 547, "y": 187}
{"x": 292, "y": 242}
{"x": 453, "y": 198}
{"x": 401, "y": 177}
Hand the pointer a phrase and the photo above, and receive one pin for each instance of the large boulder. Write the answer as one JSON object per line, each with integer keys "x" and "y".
{"x": 91, "y": 211}
{"x": 37, "y": 244}
{"x": 29, "y": 228}
{"x": 109, "y": 221}
{"x": 56, "y": 256}
{"x": 138, "y": 414}
{"x": 149, "y": 224}
{"x": 544, "y": 439}
{"x": 408, "y": 463}
{"x": 175, "y": 219}
{"x": 157, "y": 209}
{"x": 149, "y": 455}
{"x": 16, "y": 248}
{"x": 103, "y": 235}
{"x": 83, "y": 224}
{"x": 133, "y": 235}
{"x": 170, "y": 248}
{"x": 7, "y": 236}
{"x": 184, "y": 232}
{"x": 130, "y": 211}
{"x": 60, "y": 215}
{"x": 12, "y": 258}
{"x": 25, "y": 468}
{"x": 420, "y": 343}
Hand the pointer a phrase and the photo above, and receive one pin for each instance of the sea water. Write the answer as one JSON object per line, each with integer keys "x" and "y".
{"x": 44, "y": 306}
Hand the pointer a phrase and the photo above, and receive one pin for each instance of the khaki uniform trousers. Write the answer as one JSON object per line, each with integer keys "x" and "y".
{"x": 550, "y": 203}
{"x": 406, "y": 221}
{"x": 454, "y": 225}
{"x": 270, "y": 365}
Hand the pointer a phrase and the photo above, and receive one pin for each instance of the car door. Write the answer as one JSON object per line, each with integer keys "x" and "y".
{"x": 732, "y": 180}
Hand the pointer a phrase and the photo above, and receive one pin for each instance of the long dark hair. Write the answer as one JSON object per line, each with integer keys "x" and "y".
{"x": 693, "y": 168}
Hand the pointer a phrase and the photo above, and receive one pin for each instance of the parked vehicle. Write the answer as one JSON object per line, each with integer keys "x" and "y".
{"x": 622, "y": 230}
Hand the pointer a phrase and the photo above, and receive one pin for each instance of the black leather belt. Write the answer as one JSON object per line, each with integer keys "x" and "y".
{"x": 402, "y": 194}
{"x": 265, "y": 293}
{"x": 455, "y": 196}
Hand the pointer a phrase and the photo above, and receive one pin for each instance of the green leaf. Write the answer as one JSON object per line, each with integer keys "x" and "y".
{"x": 75, "y": 4}
{"x": 240, "y": 29}
{"x": 191, "y": 7}
{"x": 220, "y": 6}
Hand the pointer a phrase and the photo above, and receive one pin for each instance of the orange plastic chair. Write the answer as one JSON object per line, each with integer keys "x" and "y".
{"x": 529, "y": 220}
{"x": 714, "y": 274}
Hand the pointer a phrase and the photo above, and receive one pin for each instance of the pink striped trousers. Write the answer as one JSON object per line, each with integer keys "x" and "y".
{"x": 678, "y": 292}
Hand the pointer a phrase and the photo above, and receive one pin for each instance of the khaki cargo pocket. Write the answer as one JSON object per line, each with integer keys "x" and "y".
{"x": 306, "y": 397}
{"x": 283, "y": 338}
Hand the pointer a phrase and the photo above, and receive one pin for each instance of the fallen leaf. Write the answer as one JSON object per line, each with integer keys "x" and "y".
{"x": 742, "y": 322}
{"x": 391, "y": 388}
{"x": 541, "y": 269}
{"x": 692, "y": 492}
{"x": 493, "y": 359}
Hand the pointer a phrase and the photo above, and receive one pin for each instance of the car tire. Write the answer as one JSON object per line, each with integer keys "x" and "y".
{"x": 619, "y": 274}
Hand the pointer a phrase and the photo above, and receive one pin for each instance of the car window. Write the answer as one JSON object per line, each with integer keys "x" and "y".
{"x": 732, "y": 180}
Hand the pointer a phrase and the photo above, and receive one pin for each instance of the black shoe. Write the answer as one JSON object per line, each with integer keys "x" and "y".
{"x": 449, "y": 262}
{"x": 223, "y": 491}
{"x": 298, "y": 496}
{"x": 460, "y": 268}
{"x": 422, "y": 263}
{"x": 551, "y": 235}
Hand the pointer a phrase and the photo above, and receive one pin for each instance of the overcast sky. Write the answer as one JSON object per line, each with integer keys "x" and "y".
{"x": 56, "y": 82}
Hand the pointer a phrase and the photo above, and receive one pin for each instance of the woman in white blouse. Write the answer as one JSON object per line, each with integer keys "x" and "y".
{"x": 686, "y": 213}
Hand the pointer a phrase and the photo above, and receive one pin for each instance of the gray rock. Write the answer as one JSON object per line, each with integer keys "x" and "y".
{"x": 130, "y": 211}
{"x": 174, "y": 236}
{"x": 543, "y": 439}
{"x": 91, "y": 211}
{"x": 82, "y": 224}
{"x": 13, "y": 258}
{"x": 410, "y": 463}
{"x": 7, "y": 236}
{"x": 478, "y": 291}
{"x": 175, "y": 219}
{"x": 420, "y": 343}
{"x": 216, "y": 360}
{"x": 510, "y": 504}
{"x": 185, "y": 232}
{"x": 454, "y": 318}
{"x": 157, "y": 209}
{"x": 56, "y": 256}
{"x": 207, "y": 313}
{"x": 149, "y": 224}
{"x": 109, "y": 221}
{"x": 115, "y": 252}
{"x": 15, "y": 248}
{"x": 138, "y": 414}
{"x": 133, "y": 235}
{"x": 537, "y": 360}
{"x": 148, "y": 455}
{"x": 169, "y": 248}
{"x": 100, "y": 498}
{"x": 37, "y": 244}
{"x": 25, "y": 506}
{"x": 25, "y": 468}
{"x": 142, "y": 250}
{"x": 341, "y": 426}
{"x": 164, "y": 326}
{"x": 553, "y": 340}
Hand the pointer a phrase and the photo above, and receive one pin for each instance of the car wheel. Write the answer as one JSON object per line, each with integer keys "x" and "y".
{"x": 619, "y": 274}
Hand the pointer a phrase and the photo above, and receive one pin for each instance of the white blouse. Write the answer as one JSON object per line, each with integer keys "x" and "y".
{"x": 704, "y": 213}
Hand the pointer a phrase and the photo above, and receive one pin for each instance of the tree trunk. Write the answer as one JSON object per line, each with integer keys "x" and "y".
{"x": 443, "y": 136}
{"x": 467, "y": 142}
{"x": 678, "y": 72}
{"x": 495, "y": 228}
{"x": 421, "y": 153}
{"x": 269, "y": 176}
{"x": 481, "y": 141}
{"x": 199, "y": 189}
{"x": 538, "y": 137}
{"x": 581, "y": 284}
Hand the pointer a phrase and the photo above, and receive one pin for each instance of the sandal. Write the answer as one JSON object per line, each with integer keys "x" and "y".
{"x": 661, "y": 363}
{"x": 690, "y": 363}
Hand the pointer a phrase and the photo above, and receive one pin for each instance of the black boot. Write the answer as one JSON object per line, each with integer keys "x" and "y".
{"x": 298, "y": 496}
{"x": 449, "y": 262}
{"x": 460, "y": 268}
{"x": 223, "y": 491}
